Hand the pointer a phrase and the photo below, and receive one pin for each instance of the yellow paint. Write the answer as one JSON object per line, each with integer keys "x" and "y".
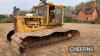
{"x": 34, "y": 23}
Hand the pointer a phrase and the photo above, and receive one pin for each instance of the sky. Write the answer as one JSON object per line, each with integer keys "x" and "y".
{"x": 6, "y": 6}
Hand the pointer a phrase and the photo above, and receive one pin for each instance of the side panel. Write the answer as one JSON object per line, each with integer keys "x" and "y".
{"x": 30, "y": 25}
{"x": 19, "y": 23}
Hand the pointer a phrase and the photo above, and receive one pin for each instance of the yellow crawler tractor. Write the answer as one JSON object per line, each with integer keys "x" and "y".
{"x": 42, "y": 28}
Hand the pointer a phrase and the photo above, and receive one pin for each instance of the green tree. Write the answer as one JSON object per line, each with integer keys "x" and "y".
{"x": 98, "y": 2}
{"x": 2, "y": 17}
{"x": 68, "y": 10}
{"x": 15, "y": 10}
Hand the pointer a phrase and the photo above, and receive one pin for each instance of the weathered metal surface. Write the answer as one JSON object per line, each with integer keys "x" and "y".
{"x": 44, "y": 32}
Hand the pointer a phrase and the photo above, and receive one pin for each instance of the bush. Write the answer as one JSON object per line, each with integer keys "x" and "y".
{"x": 6, "y": 19}
{"x": 98, "y": 18}
{"x": 70, "y": 20}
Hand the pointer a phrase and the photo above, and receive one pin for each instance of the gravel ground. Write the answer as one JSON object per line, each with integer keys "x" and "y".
{"x": 90, "y": 36}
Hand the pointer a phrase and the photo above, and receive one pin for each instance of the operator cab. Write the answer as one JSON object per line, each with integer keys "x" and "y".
{"x": 53, "y": 14}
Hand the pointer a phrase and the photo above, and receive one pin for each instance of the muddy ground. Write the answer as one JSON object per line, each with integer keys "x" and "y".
{"x": 90, "y": 36}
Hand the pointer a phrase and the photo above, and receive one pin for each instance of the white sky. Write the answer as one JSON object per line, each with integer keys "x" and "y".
{"x": 6, "y": 6}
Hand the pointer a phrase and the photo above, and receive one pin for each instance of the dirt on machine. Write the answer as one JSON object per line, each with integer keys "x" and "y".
{"x": 42, "y": 28}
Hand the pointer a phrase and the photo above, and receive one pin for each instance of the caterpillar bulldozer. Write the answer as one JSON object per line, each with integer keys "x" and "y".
{"x": 43, "y": 28}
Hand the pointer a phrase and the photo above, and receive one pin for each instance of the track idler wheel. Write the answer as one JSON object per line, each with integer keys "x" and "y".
{"x": 72, "y": 34}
